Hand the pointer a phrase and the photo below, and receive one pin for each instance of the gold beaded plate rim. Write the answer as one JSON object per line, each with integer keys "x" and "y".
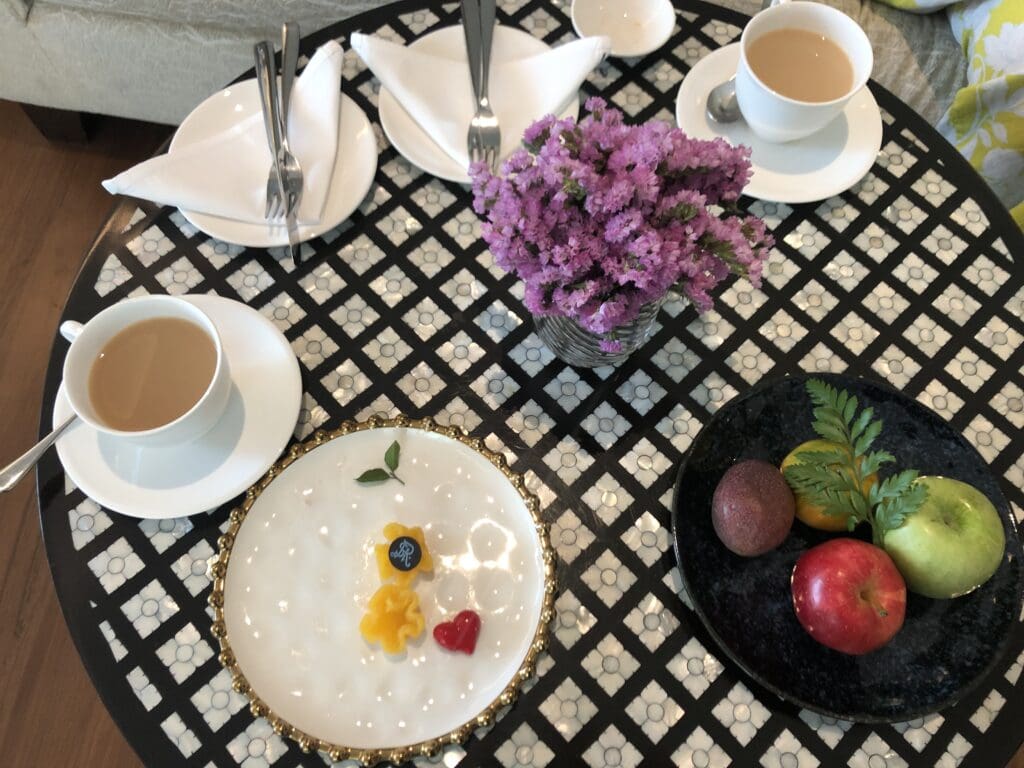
{"x": 399, "y": 753}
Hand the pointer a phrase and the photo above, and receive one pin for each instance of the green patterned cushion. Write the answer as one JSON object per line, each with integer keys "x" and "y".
{"x": 986, "y": 119}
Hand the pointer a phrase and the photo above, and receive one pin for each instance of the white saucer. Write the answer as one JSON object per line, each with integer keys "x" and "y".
{"x": 818, "y": 167}
{"x": 635, "y": 27}
{"x": 302, "y": 570}
{"x": 354, "y": 166}
{"x": 185, "y": 480}
{"x": 414, "y": 144}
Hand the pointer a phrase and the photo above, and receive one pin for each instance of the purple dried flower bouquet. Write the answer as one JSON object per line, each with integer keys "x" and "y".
{"x": 599, "y": 218}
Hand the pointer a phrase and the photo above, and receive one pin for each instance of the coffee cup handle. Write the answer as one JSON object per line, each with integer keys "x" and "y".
{"x": 70, "y": 330}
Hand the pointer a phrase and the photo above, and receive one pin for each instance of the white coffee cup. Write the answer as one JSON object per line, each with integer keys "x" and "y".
{"x": 775, "y": 117}
{"x": 88, "y": 340}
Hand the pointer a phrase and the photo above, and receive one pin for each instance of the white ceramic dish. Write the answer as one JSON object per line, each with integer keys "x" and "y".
{"x": 807, "y": 170}
{"x": 354, "y": 166}
{"x": 635, "y": 27}
{"x": 413, "y": 142}
{"x": 182, "y": 480}
{"x": 301, "y": 571}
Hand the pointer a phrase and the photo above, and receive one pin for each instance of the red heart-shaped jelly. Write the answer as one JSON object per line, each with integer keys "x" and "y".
{"x": 460, "y": 633}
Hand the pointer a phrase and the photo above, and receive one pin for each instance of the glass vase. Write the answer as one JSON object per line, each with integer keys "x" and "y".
{"x": 573, "y": 344}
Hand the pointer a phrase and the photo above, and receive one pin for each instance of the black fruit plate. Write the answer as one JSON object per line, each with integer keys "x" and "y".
{"x": 945, "y": 646}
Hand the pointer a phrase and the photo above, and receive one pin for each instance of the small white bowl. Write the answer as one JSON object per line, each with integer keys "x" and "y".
{"x": 636, "y": 27}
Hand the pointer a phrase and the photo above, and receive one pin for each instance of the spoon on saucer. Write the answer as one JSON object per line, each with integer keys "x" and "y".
{"x": 17, "y": 469}
{"x": 722, "y": 106}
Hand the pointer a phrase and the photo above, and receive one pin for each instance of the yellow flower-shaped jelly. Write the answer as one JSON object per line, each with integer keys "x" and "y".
{"x": 394, "y": 617}
{"x": 404, "y": 555}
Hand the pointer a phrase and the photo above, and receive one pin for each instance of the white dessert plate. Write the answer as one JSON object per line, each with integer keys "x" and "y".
{"x": 414, "y": 144}
{"x": 354, "y": 166}
{"x": 183, "y": 480}
{"x": 635, "y": 27}
{"x": 300, "y": 571}
{"x": 822, "y": 165}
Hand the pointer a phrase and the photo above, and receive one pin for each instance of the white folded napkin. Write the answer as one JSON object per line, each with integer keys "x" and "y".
{"x": 226, "y": 174}
{"x": 438, "y": 94}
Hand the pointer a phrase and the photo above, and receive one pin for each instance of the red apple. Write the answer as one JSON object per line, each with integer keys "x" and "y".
{"x": 848, "y": 595}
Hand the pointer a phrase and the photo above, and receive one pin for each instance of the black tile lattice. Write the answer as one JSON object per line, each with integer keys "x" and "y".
{"x": 908, "y": 277}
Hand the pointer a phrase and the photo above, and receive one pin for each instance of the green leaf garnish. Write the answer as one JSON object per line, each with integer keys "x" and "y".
{"x": 379, "y": 474}
{"x": 896, "y": 498}
{"x": 373, "y": 476}
{"x": 391, "y": 456}
{"x": 835, "y": 479}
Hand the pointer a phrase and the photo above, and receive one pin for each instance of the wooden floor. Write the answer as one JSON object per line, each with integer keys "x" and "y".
{"x": 51, "y": 206}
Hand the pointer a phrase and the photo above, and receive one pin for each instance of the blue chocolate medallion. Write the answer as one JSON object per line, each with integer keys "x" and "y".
{"x": 404, "y": 553}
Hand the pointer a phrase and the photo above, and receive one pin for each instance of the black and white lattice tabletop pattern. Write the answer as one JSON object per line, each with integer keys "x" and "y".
{"x": 908, "y": 278}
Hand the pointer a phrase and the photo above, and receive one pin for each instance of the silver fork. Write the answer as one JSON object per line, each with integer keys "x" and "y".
{"x": 484, "y": 138}
{"x": 267, "y": 82}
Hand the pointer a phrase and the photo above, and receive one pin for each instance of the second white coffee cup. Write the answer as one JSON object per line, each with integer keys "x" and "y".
{"x": 775, "y": 117}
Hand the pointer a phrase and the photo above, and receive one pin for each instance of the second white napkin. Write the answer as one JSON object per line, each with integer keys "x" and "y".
{"x": 226, "y": 174}
{"x": 438, "y": 95}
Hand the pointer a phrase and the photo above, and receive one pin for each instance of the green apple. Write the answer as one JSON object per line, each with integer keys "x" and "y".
{"x": 952, "y": 544}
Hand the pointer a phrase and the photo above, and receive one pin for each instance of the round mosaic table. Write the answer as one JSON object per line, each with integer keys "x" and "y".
{"x": 908, "y": 277}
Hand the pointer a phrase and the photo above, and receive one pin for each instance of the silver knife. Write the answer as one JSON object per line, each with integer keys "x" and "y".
{"x": 471, "y": 30}
{"x": 289, "y": 62}
{"x": 488, "y": 18}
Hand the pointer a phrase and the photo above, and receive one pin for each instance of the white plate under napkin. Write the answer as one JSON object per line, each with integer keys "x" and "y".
{"x": 430, "y": 81}
{"x": 355, "y": 165}
{"x": 217, "y": 166}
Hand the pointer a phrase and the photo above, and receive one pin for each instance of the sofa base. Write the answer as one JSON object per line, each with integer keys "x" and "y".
{"x": 59, "y": 124}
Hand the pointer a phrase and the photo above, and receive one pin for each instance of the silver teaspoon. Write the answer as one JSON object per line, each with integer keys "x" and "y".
{"x": 17, "y": 469}
{"x": 722, "y": 106}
